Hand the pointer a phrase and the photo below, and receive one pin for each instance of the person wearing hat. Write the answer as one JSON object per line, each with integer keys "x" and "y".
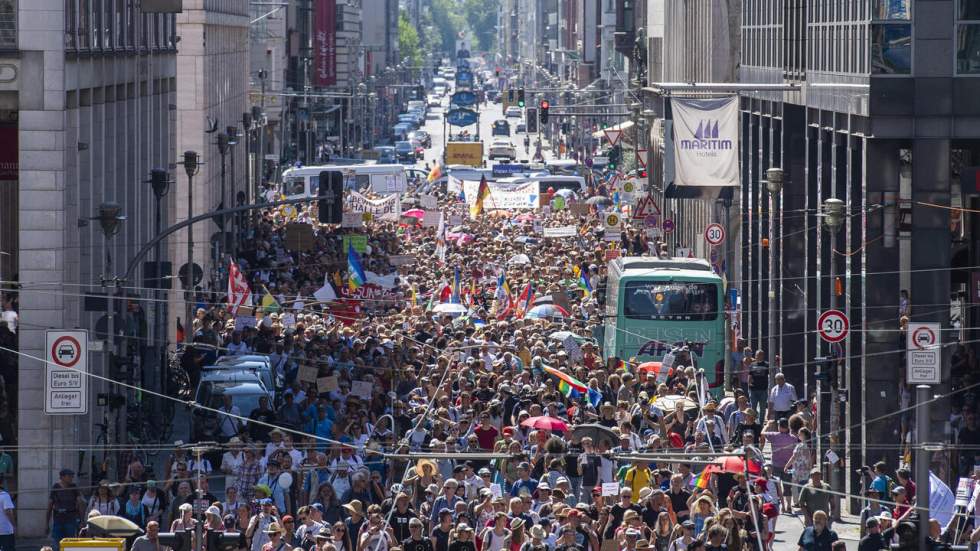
{"x": 524, "y": 481}
{"x": 65, "y": 507}
{"x": 711, "y": 423}
{"x": 274, "y": 532}
{"x": 258, "y": 524}
{"x": 375, "y": 535}
{"x": 873, "y": 509}
{"x": 103, "y": 501}
{"x": 749, "y": 424}
{"x": 871, "y": 539}
{"x": 401, "y": 516}
{"x": 816, "y": 496}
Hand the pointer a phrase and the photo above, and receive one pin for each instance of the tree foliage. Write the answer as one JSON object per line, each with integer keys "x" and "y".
{"x": 408, "y": 41}
{"x": 481, "y": 16}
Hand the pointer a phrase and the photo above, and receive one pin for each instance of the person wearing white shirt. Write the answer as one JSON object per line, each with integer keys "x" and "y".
{"x": 231, "y": 460}
{"x": 782, "y": 396}
{"x": 719, "y": 423}
{"x": 8, "y": 521}
{"x": 230, "y": 423}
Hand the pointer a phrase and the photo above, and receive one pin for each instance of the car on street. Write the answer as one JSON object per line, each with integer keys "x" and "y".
{"x": 513, "y": 112}
{"x": 500, "y": 128}
{"x": 405, "y": 152}
{"x": 245, "y": 388}
{"x": 521, "y": 128}
{"x": 386, "y": 155}
{"x": 502, "y": 149}
{"x": 422, "y": 136}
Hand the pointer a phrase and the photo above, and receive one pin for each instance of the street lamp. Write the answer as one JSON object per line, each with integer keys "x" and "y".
{"x": 109, "y": 219}
{"x": 774, "y": 184}
{"x": 232, "y": 132}
{"x": 192, "y": 167}
{"x": 223, "y": 146}
{"x": 160, "y": 182}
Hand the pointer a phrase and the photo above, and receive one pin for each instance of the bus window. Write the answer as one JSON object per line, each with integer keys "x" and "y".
{"x": 295, "y": 185}
{"x": 670, "y": 300}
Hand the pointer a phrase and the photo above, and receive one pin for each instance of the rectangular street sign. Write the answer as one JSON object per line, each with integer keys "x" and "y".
{"x": 923, "y": 353}
{"x": 65, "y": 368}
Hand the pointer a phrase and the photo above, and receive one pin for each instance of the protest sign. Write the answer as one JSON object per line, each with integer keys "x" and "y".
{"x": 307, "y": 374}
{"x": 388, "y": 208}
{"x": 361, "y": 389}
{"x": 327, "y": 384}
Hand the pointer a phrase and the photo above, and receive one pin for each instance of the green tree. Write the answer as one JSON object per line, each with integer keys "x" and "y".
{"x": 481, "y": 15}
{"x": 448, "y": 22}
{"x": 408, "y": 41}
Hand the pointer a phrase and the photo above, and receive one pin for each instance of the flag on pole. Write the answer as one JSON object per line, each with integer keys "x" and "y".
{"x": 269, "y": 303}
{"x": 355, "y": 272}
{"x": 327, "y": 292}
{"x": 482, "y": 193}
{"x": 435, "y": 173}
{"x": 525, "y": 301}
{"x": 441, "y": 238}
{"x": 572, "y": 388}
{"x": 455, "y": 297}
{"x": 239, "y": 293}
{"x": 942, "y": 501}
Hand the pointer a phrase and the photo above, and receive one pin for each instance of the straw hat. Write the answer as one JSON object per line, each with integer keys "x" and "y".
{"x": 355, "y": 507}
{"x": 420, "y": 466}
{"x": 273, "y": 528}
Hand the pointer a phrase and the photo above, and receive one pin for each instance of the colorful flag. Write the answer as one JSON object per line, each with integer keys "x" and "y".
{"x": 482, "y": 193}
{"x": 435, "y": 173}
{"x": 525, "y": 301}
{"x": 269, "y": 303}
{"x": 701, "y": 481}
{"x": 503, "y": 288}
{"x": 441, "y": 238}
{"x": 355, "y": 272}
{"x": 239, "y": 293}
{"x": 584, "y": 284}
{"x": 572, "y": 388}
{"x": 456, "y": 294}
{"x": 414, "y": 297}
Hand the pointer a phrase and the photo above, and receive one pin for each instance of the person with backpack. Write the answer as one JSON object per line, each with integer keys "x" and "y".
{"x": 882, "y": 482}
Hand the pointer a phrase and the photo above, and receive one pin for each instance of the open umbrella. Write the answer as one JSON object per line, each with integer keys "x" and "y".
{"x": 525, "y": 218}
{"x": 415, "y": 213}
{"x": 598, "y": 200}
{"x": 449, "y": 308}
{"x": 526, "y": 240}
{"x": 736, "y": 465}
{"x": 597, "y": 433}
{"x": 669, "y": 403}
{"x": 654, "y": 367}
{"x": 457, "y": 229}
{"x": 519, "y": 259}
{"x": 113, "y": 527}
{"x": 547, "y": 311}
{"x": 544, "y": 422}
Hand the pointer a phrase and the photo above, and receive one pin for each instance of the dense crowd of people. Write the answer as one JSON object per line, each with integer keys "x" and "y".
{"x": 404, "y": 423}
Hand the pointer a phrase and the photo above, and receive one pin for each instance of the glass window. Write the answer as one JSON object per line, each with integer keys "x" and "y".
{"x": 968, "y": 9}
{"x": 891, "y": 49}
{"x": 670, "y": 300}
{"x": 968, "y": 49}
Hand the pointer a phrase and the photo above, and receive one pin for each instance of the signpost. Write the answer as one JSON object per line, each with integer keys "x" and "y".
{"x": 833, "y": 326}
{"x": 613, "y": 136}
{"x": 714, "y": 234}
{"x": 645, "y": 208}
{"x": 65, "y": 369}
{"x": 668, "y": 225}
{"x": 924, "y": 358}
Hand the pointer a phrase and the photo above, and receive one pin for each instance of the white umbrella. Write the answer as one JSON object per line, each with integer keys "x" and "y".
{"x": 519, "y": 259}
{"x": 449, "y": 308}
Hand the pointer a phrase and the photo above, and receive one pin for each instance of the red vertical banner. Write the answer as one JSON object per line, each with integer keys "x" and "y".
{"x": 325, "y": 43}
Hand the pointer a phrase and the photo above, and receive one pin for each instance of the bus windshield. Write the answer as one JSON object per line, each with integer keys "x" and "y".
{"x": 670, "y": 300}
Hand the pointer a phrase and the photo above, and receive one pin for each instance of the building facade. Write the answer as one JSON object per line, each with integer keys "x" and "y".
{"x": 87, "y": 95}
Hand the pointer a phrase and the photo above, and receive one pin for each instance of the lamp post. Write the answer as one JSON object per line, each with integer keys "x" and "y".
{"x": 232, "y": 132}
{"x": 160, "y": 181}
{"x": 191, "y": 168}
{"x": 833, "y": 219}
{"x": 774, "y": 184}
{"x": 109, "y": 219}
{"x": 247, "y": 123}
{"x": 222, "y": 143}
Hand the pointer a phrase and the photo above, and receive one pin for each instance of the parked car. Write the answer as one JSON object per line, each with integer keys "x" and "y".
{"x": 521, "y": 128}
{"x": 386, "y": 155}
{"x": 422, "y": 136}
{"x": 513, "y": 112}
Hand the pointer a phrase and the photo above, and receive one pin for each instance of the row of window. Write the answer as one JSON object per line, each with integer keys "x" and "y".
{"x": 116, "y": 25}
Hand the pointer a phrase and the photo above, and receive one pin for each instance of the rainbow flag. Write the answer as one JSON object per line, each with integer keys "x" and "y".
{"x": 702, "y": 480}
{"x": 572, "y": 388}
{"x": 355, "y": 272}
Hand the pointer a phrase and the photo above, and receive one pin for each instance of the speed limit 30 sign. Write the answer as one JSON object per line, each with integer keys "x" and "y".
{"x": 833, "y": 325}
{"x": 714, "y": 234}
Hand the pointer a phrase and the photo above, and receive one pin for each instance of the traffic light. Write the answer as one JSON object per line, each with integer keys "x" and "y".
{"x": 331, "y": 197}
{"x": 520, "y": 97}
{"x": 615, "y": 155}
{"x": 532, "y": 120}
{"x": 826, "y": 371}
{"x": 543, "y": 111}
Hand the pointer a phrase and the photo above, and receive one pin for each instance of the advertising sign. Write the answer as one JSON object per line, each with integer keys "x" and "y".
{"x": 461, "y": 117}
{"x": 705, "y": 142}
{"x": 325, "y": 43}
{"x": 464, "y": 153}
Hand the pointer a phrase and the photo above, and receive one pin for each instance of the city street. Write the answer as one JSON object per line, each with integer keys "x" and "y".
{"x": 284, "y": 276}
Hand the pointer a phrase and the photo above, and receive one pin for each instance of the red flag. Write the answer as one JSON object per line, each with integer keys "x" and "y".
{"x": 239, "y": 292}
{"x": 525, "y": 300}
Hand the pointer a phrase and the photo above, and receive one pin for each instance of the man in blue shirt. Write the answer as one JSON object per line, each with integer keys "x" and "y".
{"x": 524, "y": 481}
{"x": 447, "y": 500}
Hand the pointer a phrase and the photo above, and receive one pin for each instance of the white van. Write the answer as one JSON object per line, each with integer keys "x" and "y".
{"x": 298, "y": 183}
{"x": 574, "y": 183}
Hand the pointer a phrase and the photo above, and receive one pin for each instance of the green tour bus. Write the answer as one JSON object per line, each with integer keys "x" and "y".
{"x": 654, "y": 304}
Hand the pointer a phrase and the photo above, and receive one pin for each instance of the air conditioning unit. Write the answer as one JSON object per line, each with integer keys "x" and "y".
{"x": 162, "y": 6}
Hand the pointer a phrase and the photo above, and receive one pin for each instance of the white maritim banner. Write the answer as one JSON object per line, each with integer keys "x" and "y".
{"x": 705, "y": 142}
